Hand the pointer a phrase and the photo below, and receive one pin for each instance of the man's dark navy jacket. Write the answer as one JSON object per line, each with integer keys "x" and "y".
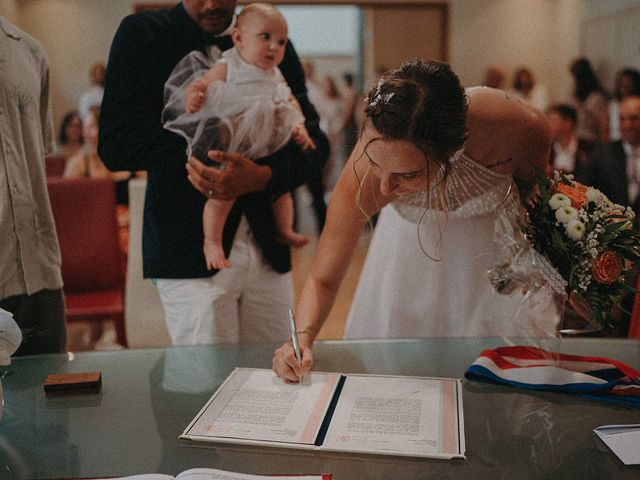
{"x": 145, "y": 49}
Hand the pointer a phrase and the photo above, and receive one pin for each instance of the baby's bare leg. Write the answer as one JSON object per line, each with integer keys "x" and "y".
{"x": 214, "y": 216}
{"x": 283, "y": 214}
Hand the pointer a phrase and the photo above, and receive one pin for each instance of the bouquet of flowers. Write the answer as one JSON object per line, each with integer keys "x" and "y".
{"x": 576, "y": 240}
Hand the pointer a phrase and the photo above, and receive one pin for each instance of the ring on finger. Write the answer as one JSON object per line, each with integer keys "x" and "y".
{"x": 209, "y": 193}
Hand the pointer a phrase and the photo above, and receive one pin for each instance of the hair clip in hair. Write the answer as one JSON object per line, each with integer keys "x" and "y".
{"x": 378, "y": 96}
{"x": 381, "y": 97}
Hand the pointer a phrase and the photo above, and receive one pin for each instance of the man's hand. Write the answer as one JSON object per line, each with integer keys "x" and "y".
{"x": 236, "y": 176}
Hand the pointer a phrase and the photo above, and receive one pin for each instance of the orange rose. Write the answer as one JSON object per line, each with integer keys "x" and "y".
{"x": 581, "y": 187}
{"x": 607, "y": 267}
{"x": 578, "y": 198}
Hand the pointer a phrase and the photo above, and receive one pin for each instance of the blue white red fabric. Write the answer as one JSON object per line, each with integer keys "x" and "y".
{"x": 536, "y": 369}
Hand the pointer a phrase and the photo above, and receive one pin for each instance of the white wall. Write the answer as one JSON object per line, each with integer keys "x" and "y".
{"x": 9, "y": 9}
{"x": 538, "y": 34}
{"x": 612, "y": 41}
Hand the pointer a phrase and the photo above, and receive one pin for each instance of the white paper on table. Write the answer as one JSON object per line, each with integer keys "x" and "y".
{"x": 395, "y": 414}
{"x": 214, "y": 474}
{"x": 623, "y": 440}
{"x": 257, "y": 405}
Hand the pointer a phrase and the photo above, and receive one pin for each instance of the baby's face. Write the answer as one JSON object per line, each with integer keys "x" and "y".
{"x": 261, "y": 40}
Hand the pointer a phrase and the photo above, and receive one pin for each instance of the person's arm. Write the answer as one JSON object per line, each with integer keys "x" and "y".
{"x": 131, "y": 135}
{"x": 196, "y": 92}
{"x": 120, "y": 175}
{"x": 354, "y": 200}
{"x": 508, "y": 135}
{"x": 74, "y": 167}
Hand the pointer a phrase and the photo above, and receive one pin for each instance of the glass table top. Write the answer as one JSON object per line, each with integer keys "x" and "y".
{"x": 149, "y": 396}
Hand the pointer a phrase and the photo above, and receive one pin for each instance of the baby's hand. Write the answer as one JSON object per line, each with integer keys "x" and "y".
{"x": 302, "y": 138}
{"x": 194, "y": 98}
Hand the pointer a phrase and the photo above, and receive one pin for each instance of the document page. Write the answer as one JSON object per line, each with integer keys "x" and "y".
{"x": 255, "y": 404}
{"x": 396, "y": 415}
{"x": 209, "y": 474}
{"x": 214, "y": 474}
{"x": 623, "y": 440}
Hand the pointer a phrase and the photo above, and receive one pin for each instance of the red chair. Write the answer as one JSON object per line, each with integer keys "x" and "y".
{"x": 54, "y": 165}
{"x": 84, "y": 210}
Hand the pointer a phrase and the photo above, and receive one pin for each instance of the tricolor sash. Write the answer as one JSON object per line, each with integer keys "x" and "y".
{"x": 536, "y": 369}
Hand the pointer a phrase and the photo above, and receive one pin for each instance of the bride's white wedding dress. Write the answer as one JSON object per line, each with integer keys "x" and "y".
{"x": 403, "y": 293}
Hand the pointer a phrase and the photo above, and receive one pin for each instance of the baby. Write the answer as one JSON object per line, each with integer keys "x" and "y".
{"x": 255, "y": 115}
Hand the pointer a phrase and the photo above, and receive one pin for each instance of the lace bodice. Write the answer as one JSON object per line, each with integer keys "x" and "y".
{"x": 470, "y": 189}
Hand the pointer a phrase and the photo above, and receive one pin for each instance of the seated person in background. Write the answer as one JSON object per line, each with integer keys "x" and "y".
{"x": 245, "y": 106}
{"x": 87, "y": 163}
{"x": 569, "y": 153}
{"x": 528, "y": 90}
{"x": 70, "y": 139}
{"x": 494, "y": 77}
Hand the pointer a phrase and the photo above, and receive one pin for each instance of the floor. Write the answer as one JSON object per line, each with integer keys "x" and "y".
{"x": 83, "y": 336}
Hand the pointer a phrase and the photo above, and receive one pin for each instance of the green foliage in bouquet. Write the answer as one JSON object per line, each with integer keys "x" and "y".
{"x": 589, "y": 240}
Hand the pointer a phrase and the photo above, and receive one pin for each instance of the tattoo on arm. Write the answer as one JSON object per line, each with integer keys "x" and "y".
{"x": 500, "y": 162}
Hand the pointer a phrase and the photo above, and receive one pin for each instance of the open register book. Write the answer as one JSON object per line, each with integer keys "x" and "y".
{"x": 387, "y": 415}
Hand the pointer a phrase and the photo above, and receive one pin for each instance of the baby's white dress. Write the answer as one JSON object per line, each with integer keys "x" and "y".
{"x": 403, "y": 293}
{"x": 249, "y": 114}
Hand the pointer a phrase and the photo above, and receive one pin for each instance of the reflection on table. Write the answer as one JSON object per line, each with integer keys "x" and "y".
{"x": 149, "y": 396}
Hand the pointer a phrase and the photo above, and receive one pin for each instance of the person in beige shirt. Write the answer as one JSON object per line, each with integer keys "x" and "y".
{"x": 30, "y": 277}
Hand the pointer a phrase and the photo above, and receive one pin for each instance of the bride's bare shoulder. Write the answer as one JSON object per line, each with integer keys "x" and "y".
{"x": 491, "y": 109}
{"x": 501, "y": 125}
{"x": 491, "y": 104}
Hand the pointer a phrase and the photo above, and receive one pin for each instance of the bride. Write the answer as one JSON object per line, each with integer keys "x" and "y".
{"x": 439, "y": 164}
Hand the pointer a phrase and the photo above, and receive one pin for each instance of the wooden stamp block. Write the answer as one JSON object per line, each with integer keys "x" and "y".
{"x": 73, "y": 383}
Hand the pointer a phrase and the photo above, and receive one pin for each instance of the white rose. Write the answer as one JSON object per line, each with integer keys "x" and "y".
{"x": 594, "y": 195}
{"x": 575, "y": 229}
{"x": 559, "y": 200}
{"x": 566, "y": 214}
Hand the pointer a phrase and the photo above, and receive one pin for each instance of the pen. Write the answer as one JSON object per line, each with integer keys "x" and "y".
{"x": 294, "y": 339}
